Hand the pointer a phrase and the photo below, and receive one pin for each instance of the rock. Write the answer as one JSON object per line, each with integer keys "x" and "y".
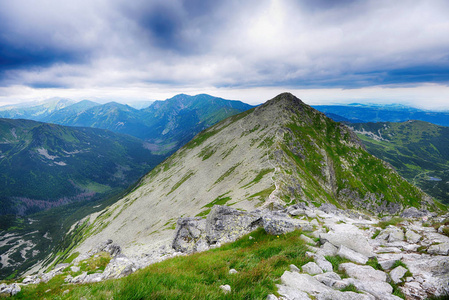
{"x": 413, "y": 212}
{"x": 352, "y": 255}
{"x": 272, "y": 297}
{"x": 79, "y": 278}
{"x": 328, "y": 208}
{"x": 328, "y": 278}
{"x": 312, "y": 268}
{"x": 31, "y": 280}
{"x": 226, "y": 224}
{"x": 323, "y": 263}
{"x": 412, "y": 237}
{"x": 277, "y": 225}
{"x": 9, "y": 290}
{"x": 307, "y": 239}
{"x": 65, "y": 292}
{"x": 118, "y": 267}
{"x": 291, "y": 293}
{"x": 226, "y": 288}
{"x": 68, "y": 278}
{"x": 314, "y": 222}
{"x": 341, "y": 284}
{"x": 188, "y": 233}
{"x": 380, "y": 290}
{"x": 440, "y": 249}
{"x": 75, "y": 269}
{"x": 397, "y": 273}
{"x": 304, "y": 282}
{"x": 233, "y": 271}
{"x": 391, "y": 234}
{"x": 387, "y": 264}
{"x": 294, "y": 268}
{"x": 108, "y": 246}
{"x": 363, "y": 273}
{"x": 352, "y": 240}
{"x": 327, "y": 249}
{"x": 96, "y": 277}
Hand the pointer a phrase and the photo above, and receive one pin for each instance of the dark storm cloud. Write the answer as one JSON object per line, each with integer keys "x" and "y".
{"x": 322, "y": 43}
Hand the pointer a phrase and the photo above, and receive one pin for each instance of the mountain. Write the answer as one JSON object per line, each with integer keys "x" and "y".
{"x": 34, "y": 110}
{"x": 165, "y": 125}
{"x": 418, "y": 150}
{"x": 46, "y": 165}
{"x": 283, "y": 152}
{"x": 59, "y": 116}
{"x": 358, "y": 113}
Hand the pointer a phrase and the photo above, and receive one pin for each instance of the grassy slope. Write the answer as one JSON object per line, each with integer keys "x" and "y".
{"x": 260, "y": 262}
{"x": 418, "y": 150}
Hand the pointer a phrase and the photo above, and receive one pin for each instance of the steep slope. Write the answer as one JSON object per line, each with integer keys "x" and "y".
{"x": 281, "y": 152}
{"x": 45, "y": 165}
{"x": 418, "y": 150}
{"x": 358, "y": 113}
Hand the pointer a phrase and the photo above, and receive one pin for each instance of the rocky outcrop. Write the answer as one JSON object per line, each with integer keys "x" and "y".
{"x": 7, "y": 290}
{"x": 225, "y": 224}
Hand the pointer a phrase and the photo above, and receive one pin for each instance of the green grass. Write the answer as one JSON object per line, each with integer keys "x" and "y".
{"x": 393, "y": 221}
{"x": 181, "y": 181}
{"x": 260, "y": 262}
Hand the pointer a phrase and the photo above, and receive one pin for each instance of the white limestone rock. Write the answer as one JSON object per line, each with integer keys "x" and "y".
{"x": 412, "y": 237}
{"x": 312, "y": 268}
{"x": 352, "y": 255}
{"x": 397, "y": 274}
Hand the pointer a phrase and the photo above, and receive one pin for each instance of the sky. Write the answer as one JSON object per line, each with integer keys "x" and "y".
{"x": 323, "y": 51}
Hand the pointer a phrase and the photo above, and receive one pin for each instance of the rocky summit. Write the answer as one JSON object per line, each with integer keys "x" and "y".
{"x": 272, "y": 167}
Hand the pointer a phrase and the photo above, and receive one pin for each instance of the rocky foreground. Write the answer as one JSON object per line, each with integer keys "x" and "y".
{"x": 409, "y": 254}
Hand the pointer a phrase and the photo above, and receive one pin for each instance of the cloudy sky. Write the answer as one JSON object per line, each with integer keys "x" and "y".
{"x": 324, "y": 51}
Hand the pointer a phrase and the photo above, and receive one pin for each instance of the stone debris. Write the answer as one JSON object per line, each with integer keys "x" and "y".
{"x": 344, "y": 233}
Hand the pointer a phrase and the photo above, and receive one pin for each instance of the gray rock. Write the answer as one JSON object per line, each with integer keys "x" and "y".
{"x": 391, "y": 234}
{"x": 272, "y": 297}
{"x": 108, "y": 246}
{"x": 413, "y": 212}
{"x": 9, "y": 290}
{"x": 397, "y": 273}
{"x": 307, "y": 239}
{"x": 328, "y": 278}
{"x": 277, "y": 225}
{"x": 351, "y": 240}
{"x": 79, "y": 278}
{"x": 291, "y": 293}
{"x": 341, "y": 284}
{"x": 439, "y": 249}
{"x": 188, "y": 233}
{"x": 387, "y": 264}
{"x": 328, "y": 208}
{"x": 352, "y": 255}
{"x": 314, "y": 222}
{"x": 233, "y": 271}
{"x": 412, "y": 237}
{"x": 75, "y": 269}
{"x": 96, "y": 277}
{"x": 323, "y": 263}
{"x": 363, "y": 273}
{"x": 118, "y": 267}
{"x": 380, "y": 290}
{"x": 327, "y": 249}
{"x": 312, "y": 268}
{"x": 226, "y": 224}
{"x": 226, "y": 288}
{"x": 294, "y": 268}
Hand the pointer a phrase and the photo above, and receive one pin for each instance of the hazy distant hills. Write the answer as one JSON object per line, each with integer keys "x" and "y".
{"x": 45, "y": 165}
{"x": 34, "y": 110}
{"x": 417, "y": 149}
{"x": 358, "y": 113}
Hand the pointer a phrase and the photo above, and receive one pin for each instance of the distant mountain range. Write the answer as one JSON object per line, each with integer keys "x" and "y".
{"x": 418, "y": 150}
{"x": 358, "y": 113}
{"x": 46, "y": 165}
{"x": 165, "y": 125}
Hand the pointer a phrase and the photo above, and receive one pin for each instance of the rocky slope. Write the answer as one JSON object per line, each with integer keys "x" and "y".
{"x": 283, "y": 152}
{"x": 351, "y": 255}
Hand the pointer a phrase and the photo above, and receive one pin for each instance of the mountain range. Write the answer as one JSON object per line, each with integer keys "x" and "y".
{"x": 359, "y": 113}
{"x": 278, "y": 154}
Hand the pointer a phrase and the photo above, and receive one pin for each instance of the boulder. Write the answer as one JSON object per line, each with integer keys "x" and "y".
{"x": 439, "y": 249}
{"x": 108, "y": 246}
{"x": 352, "y": 240}
{"x": 412, "y": 237}
{"x": 323, "y": 263}
{"x": 397, "y": 274}
{"x": 188, "y": 233}
{"x": 294, "y": 268}
{"x": 363, "y": 273}
{"x": 328, "y": 278}
{"x": 352, "y": 255}
{"x": 226, "y": 288}
{"x": 9, "y": 290}
{"x": 226, "y": 224}
{"x": 413, "y": 212}
{"x": 118, "y": 267}
{"x": 312, "y": 268}
{"x": 277, "y": 224}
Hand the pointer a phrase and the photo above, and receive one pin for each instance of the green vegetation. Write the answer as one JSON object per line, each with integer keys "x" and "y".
{"x": 259, "y": 176}
{"x": 260, "y": 262}
{"x": 227, "y": 173}
{"x": 220, "y": 200}
{"x": 393, "y": 221}
{"x": 181, "y": 181}
{"x": 416, "y": 149}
